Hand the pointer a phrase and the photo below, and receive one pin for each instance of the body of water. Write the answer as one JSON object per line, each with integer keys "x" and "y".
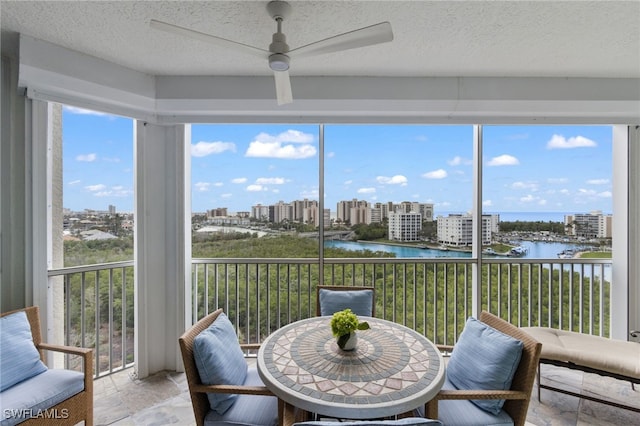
{"x": 535, "y": 249}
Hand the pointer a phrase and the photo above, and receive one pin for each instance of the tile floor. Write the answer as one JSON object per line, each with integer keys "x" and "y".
{"x": 163, "y": 399}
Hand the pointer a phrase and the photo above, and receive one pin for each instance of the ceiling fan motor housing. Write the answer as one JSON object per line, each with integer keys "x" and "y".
{"x": 279, "y": 62}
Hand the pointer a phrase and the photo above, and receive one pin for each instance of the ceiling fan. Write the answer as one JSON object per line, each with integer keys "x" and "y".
{"x": 279, "y": 53}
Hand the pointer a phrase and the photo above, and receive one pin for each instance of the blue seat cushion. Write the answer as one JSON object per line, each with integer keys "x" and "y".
{"x": 39, "y": 393}
{"x": 248, "y": 410}
{"x": 484, "y": 358}
{"x": 220, "y": 361}
{"x": 359, "y": 301}
{"x": 19, "y": 358}
{"x": 408, "y": 421}
{"x": 465, "y": 413}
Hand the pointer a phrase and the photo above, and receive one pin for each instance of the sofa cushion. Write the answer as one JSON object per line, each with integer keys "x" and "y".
{"x": 248, "y": 410}
{"x": 39, "y": 393}
{"x": 19, "y": 358}
{"x": 484, "y": 358}
{"x": 359, "y": 301}
{"x": 220, "y": 361}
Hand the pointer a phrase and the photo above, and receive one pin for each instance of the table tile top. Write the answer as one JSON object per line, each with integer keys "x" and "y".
{"x": 391, "y": 366}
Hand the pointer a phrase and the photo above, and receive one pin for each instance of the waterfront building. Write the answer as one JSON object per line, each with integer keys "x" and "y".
{"x": 457, "y": 229}
{"x": 589, "y": 225}
{"x": 405, "y": 226}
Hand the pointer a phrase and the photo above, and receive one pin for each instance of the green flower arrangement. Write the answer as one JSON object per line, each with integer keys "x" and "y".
{"x": 345, "y": 322}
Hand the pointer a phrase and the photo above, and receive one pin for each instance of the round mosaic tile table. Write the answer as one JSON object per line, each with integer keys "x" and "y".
{"x": 393, "y": 369}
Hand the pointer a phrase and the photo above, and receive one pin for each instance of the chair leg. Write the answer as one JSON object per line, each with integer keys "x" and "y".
{"x": 538, "y": 382}
{"x": 431, "y": 409}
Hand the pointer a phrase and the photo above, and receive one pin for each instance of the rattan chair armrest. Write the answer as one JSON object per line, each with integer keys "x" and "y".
{"x": 236, "y": 389}
{"x": 445, "y": 349}
{"x": 480, "y": 394}
{"x": 246, "y": 346}
{"x": 72, "y": 350}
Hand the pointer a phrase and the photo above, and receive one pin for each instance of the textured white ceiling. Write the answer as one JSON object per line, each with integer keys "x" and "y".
{"x": 432, "y": 38}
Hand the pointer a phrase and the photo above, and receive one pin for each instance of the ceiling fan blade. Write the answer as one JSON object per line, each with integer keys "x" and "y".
{"x": 367, "y": 36}
{"x": 208, "y": 38}
{"x": 283, "y": 87}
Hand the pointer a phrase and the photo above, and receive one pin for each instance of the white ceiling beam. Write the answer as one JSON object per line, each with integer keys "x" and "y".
{"x": 52, "y": 73}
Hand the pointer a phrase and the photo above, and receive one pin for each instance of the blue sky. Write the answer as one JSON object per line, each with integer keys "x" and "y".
{"x": 525, "y": 168}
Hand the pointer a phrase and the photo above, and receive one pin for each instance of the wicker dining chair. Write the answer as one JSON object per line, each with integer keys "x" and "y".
{"x": 452, "y": 403}
{"x": 331, "y": 299}
{"x": 46, "y": 386}
{"x": 258, "y": 412}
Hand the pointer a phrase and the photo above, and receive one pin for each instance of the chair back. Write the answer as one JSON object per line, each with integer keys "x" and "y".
{"x": 525, "y": 374}
{"x": 199, "y": 400}
{"x": 369, "y": 290}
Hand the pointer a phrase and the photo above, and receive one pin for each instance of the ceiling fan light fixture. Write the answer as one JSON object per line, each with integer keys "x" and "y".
{"x": 279, "y": 62}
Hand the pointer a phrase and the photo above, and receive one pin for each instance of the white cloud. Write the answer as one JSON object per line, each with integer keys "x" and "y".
{"x": 115, "y": 191}
{"x": 435, "y": 174}
{"x": 348, "y": 182}
{"x": 587, "y": 192}
{"x": 528, "y": 199}
{"x": 311, "y": 194}
{"x": 598, "y": 181}
{"x": 564, "y": 191}
{"x": 330, "y": 154}
{"x": 226, "y": 195}
{"x": 557, "y": 180}
{"x": 218, "y": 184}
{"x": 395, "y": 180}
{"x": 239, "y": 180}
{"x": 87, "y": 157}
{"x": 542, "y": 202}
{"x": 459, "y": 161}
{"x": 560, "y": 142}
{"x": 202, "y": 149}
{"x": 202, "y": 186}
{"x": 291, "y": 144}
{"x": 98, "y": 187}
{"x": 256, "y": 188}
{"x": 487, "y": 203}
{"x": 366, "y": 190}
{"x": 271, "y": 181}
{"x": 503, "y": 160}
{"x": 74, "y": 182}
{"x": 605, "y": 194}
{"x": 531, "y": 186}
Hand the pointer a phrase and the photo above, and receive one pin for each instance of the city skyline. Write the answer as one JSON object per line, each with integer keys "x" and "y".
{"x": 563, "y": 169}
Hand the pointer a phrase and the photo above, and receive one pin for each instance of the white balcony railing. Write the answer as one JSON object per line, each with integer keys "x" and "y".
{"x": 432, "y": 296}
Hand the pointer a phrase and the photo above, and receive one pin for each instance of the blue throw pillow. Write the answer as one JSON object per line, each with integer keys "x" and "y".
{"x": 19, "y": 358}
{"x": 359, "y": 301}
{"x": 484, "y": 358}
{"x": 220, "y": 361}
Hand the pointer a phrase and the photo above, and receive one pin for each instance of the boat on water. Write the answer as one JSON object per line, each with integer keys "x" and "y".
{"x": 490, "y": 252}
{"x": 518, "y": 251}
{"x": 567, "y": 254}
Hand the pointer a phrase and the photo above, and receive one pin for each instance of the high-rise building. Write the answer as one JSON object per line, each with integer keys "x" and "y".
{"x": 457, "y": 229}
{"x": 405, "y": 226}
{"x": 260, "y": 212}
{"x": 589, "y": 225}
